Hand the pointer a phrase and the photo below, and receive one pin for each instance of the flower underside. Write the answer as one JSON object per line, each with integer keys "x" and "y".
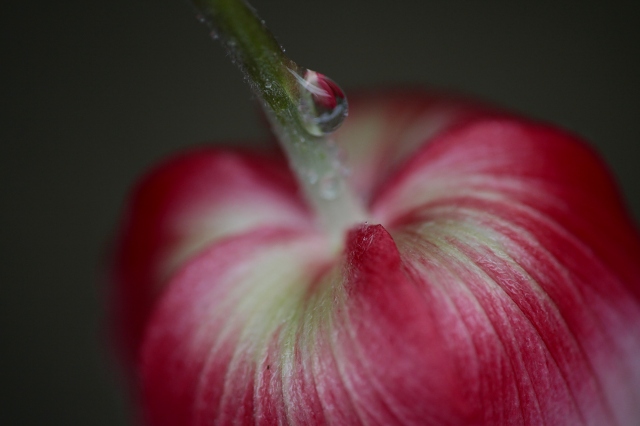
{"x": 494, "y": 281}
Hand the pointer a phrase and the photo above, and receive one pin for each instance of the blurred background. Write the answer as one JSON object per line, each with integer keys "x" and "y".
{"x": 93, "y": 93}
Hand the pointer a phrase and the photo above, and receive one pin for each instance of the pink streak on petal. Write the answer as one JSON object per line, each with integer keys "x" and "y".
{"x": 332, "y": 389}
{"x": 268, "y": 387}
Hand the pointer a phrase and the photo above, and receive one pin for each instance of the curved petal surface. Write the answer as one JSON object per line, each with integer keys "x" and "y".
{"x": 386, "y": 128}
{"x": 185, "y": 204}
{"x": 524, "y": 228}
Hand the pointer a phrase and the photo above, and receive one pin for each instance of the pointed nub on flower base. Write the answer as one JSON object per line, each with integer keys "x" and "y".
{"x": 398, "y": 367}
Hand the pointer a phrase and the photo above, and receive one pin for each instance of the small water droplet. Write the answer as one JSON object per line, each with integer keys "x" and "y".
{"x": 201, "y": 18}
{"x": 323, "y": 104}
{"x": 214, "y": 35}
{"x": 267, "y": 84}
{"x": 312, "y": 177}
{"x": 329, "y": 186}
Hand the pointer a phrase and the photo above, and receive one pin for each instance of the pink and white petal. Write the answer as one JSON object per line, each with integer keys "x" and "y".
{"x": 529, "y": 361}
{"x": 530, "y": 223}
{"x": 216, "y": 322}
{"x": 507, "y": 156}
{"x": 181, "y": 207}
{"x": 385, "y": 128}
{"x": 496, "y": 163}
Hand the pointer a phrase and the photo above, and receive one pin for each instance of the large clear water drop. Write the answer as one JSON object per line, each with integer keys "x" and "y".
{"x": 323, "y": 105}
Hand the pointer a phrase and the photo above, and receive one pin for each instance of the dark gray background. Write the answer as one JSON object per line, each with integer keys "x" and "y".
{"x": 95, "y": 92}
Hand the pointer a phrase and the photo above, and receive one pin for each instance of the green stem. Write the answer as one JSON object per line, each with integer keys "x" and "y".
{"x": 280, "y": 85}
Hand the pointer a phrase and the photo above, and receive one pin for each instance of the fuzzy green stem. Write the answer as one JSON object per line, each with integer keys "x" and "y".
{"x": 276, "y": 81}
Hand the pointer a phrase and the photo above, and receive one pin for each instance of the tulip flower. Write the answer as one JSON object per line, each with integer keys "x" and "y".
{"x": 473, "y": 267}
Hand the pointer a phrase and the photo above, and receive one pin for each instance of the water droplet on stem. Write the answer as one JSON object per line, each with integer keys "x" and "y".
{"x": 323, "y": 105}
{"x": 329, "y": 186}
{"x": 312, "y": 176}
